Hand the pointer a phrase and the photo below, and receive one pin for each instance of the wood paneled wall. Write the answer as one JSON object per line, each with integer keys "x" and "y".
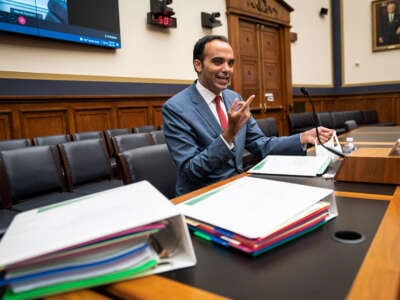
{"x": 35, "y": 116}
{"x": 27, "y": 117}
{"x": 387, "y": 105}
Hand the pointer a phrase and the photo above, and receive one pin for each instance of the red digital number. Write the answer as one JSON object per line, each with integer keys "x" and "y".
{"x": 160, "y": 20}
{"x": 166, "y": 21}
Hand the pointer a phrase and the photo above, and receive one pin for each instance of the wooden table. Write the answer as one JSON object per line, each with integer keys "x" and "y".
{"x": 378, "y": 276}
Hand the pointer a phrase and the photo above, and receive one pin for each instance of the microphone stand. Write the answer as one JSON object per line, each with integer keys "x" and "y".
{"x": 316, "y": 124}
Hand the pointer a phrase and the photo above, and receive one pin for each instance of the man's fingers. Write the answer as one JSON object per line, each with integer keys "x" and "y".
{"x": 250, "y": 99}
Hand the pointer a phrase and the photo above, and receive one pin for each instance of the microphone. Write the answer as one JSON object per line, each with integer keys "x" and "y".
{"x": 317, "y": 124}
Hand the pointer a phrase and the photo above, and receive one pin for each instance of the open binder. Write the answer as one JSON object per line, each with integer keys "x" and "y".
{"x": 122, "y": 233}
{"x": 255, "y": 215}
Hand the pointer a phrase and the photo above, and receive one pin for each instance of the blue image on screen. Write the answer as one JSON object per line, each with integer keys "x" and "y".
{"x": 50, "y": 19}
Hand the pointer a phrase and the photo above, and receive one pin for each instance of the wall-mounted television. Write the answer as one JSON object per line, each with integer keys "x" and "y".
{"x": 93, "y": 22}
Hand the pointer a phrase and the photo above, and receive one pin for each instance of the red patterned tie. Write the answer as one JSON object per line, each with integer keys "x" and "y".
{"x": 221, "y": 115}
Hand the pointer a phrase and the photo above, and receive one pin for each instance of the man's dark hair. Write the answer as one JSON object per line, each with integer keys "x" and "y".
{"x": 198, "y": 50}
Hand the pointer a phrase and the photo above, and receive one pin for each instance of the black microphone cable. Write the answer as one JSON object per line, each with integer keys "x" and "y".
{"x": 316, "y": 123}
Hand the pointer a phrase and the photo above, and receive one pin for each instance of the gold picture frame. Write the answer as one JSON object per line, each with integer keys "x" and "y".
{"x": 385, "y": 27}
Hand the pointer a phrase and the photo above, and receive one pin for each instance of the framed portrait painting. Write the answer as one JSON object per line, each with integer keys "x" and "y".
{"x": 385, "y": 24}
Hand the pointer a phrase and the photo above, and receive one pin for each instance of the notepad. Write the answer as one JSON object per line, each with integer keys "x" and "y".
{"x": 291, "y": 165}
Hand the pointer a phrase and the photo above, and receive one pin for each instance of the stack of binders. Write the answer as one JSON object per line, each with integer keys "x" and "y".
{"x": 255, "y": 215}
{"x": 122, "y": 233}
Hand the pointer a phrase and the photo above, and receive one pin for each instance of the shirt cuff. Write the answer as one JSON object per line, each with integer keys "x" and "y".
{"x": 229, "y": 145}
{"x": 303, "y": 146}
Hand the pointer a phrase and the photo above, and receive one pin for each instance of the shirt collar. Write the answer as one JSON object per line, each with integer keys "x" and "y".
{"x": 205, "y": 93}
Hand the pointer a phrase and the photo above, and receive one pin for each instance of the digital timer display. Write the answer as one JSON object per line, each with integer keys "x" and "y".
{"x": 161, "y": 20}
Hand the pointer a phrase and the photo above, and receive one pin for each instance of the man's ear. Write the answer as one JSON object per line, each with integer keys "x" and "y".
{"x": 198, "y": 66}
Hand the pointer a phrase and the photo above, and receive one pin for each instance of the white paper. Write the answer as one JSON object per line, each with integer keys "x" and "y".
{"x": 254, "y": 207}
{"x": 291, "y": 165}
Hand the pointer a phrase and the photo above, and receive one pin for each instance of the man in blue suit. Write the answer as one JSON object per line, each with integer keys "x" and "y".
{"x": 203, "y": 151}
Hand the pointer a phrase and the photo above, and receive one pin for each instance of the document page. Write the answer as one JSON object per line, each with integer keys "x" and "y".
{"x": 291, "y": 165}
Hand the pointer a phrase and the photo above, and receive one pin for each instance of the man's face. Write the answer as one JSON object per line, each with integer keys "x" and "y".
{"x": 391, "y": 8}
{"x": 215, "y": 72}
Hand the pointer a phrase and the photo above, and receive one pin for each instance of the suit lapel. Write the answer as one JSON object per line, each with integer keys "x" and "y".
{"x": 204, "y": 111}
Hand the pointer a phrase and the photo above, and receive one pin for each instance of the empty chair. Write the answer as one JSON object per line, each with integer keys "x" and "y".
{"x": 51, "y": 139}
{"x": 338, "y": 121}
{"x": 299, "y": 122}
{"x": 87, "y": 166}
{"x": 85, "y": 135}
{"x": 370, "y": 117}
{"x": 129, "y": 141}
{"x": 109, "y": 133}
{"x": 152, "y": 163}
{"x": 325, "y": 119}
{"x": 157, "y": 136}
{"x": 353, "y": 115}
{"x": 350, "y": 125}
{"x": 14, "y": 144}
{"x": 31, "y": 177}
{"x": 144, "y": 128}
{"x": 268, "y": 126}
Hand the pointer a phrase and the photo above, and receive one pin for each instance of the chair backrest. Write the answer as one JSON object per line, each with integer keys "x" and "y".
{"x": 350, "y": 125}
{"x": 157, "y": 136}
{"x": 152, "y": 163}
{"x": 85, "y": 161}
{"x": 29, "y": 171}
{"x": 129, "y": 141}
{"x": 109, "y": 133}
{"x": 51, "y": 139}
{"x": 370, "y": 116}
{"x": 338, "y": 119}
{"x": 144, "y": 128}
{"x": 299, "y": 122}
{"x": 86, "y": 135}
{"x": 14, "y": 144}
{"x": 325, "y": 119}
{"x": 268, "y": 126}
{"x": 355, "y": 115}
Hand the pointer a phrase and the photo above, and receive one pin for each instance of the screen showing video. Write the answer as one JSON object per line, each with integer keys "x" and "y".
{"x": 93, "y": 22}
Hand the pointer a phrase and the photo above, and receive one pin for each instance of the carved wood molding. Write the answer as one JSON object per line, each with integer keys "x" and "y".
{"x": 271, "y": 10}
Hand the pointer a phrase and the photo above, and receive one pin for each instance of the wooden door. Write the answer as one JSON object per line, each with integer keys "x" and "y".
{"x": 259, "y": 34}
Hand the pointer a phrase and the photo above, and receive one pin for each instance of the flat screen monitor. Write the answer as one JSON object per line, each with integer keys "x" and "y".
{"x": 93, "y": 22}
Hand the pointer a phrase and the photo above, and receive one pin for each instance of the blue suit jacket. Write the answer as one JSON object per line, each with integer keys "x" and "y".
{"x": 193, "y": 135}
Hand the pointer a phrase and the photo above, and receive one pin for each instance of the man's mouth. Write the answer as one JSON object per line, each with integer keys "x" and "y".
{"x": 222, "y": 77}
